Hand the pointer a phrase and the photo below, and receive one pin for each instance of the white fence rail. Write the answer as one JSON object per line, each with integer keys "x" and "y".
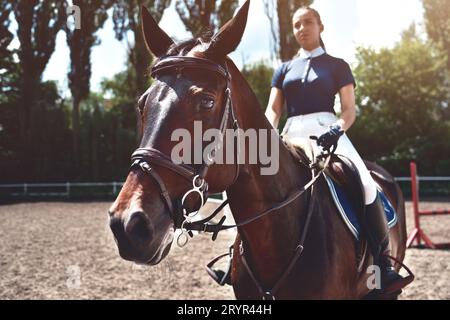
{"x": 58, "y": 189}
{"x": 66, "y": 189}
{"x": 424, "y": 179}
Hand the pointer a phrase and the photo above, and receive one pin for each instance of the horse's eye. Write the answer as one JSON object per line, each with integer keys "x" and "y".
{"x": 207, "y": 103}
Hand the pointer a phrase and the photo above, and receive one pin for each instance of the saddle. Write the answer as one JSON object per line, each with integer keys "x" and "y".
{"x": 341, "y": 170}
{"x": 343, "y": 174}
{"x": 345, "y": 186}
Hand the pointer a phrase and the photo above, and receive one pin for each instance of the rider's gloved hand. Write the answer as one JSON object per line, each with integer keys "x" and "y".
{"x": 330, "y": 138}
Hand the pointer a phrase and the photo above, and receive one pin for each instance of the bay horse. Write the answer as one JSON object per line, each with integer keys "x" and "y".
{"x": 196, "y": 81}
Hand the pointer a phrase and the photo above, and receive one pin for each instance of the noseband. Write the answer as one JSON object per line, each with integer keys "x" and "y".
{"x": 146, "y": 158}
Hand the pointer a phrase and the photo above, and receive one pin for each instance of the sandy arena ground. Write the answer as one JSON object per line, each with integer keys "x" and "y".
{"x": 66, "y": 251}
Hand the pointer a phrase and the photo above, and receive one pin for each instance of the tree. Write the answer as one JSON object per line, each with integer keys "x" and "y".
{"x": 126, "y": 18}
{"x": 80, "y": 42}
{"x": 401, "y": 106}
{"x": 38, "y": 22}
{"x": 201, "y": 16}
{"x": 5, "y": 36}
{"x": 437, "y": 22}
{"x": 8, "y": 68}
{"x": 9, "y": 79}
{"x": 284, "y": 44}
{"x": 53, "y": 159}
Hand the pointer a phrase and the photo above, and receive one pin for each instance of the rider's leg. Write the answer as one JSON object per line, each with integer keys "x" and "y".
{"x": 374, "y": 222}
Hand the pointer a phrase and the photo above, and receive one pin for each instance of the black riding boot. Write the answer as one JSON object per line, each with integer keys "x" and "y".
{"x": 377, "y": 233}
{"x": 223, "y": 277}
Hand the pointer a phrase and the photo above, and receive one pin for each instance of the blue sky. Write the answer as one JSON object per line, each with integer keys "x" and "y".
{"x": 348, "y": 24}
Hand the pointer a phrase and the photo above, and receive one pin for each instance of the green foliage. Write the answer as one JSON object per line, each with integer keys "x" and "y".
{"x": 107, "y": 143}
{"x": 120, "y": 99}
{"x": 437, "y": 22}
{"x": 51, "y": 160}
{"x": 259, "y": 76}
{"x": 27, "y": 99}
{"x": 403, "y": 101}
{"x": 9, "y": 98}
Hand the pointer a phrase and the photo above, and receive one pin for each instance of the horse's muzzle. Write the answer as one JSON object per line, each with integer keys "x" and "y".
{"x": 133, "y": 235}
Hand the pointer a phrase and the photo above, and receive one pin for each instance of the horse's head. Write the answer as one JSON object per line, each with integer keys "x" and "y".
{"x": 191, "y": 86}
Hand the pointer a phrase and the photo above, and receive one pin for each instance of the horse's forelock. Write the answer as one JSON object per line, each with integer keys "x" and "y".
{"x": 196, "y": 47}
{"x": 184, "y": 48}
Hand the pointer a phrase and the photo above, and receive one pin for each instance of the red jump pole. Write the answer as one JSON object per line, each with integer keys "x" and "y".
{"x": 418, "y": 234}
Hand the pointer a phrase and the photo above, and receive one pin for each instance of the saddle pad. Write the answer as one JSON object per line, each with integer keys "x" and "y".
{"x": 348, "y": 212}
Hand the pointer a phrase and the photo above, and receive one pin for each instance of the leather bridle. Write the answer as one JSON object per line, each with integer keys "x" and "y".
{"x": 146, "y": 158}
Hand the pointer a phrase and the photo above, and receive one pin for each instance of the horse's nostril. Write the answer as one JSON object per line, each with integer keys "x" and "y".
{"x": 116, "y": 225}
{"x": 139, "y": 228}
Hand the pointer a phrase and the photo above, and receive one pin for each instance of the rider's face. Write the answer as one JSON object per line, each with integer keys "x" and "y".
{"x": 307, "y": 29}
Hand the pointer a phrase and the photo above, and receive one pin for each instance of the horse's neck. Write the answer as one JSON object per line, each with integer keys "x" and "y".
{"x": 254, "y": 193}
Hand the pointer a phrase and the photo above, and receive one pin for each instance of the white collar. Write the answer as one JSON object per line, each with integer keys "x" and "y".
{"x": 305, "y": 54}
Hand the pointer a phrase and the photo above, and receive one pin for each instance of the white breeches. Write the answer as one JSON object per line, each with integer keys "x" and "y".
{"x": 315, "y": 125}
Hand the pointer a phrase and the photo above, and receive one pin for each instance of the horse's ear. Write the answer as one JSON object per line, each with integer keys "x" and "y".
{"x": 157, "y": 41}
{"x": 229, "y": 36}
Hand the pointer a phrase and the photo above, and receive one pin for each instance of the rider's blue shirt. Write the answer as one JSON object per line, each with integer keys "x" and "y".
{"x": 325, "y": 75}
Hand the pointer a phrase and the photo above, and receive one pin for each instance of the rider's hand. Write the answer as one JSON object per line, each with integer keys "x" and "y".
{"x": 330, "y": 138}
